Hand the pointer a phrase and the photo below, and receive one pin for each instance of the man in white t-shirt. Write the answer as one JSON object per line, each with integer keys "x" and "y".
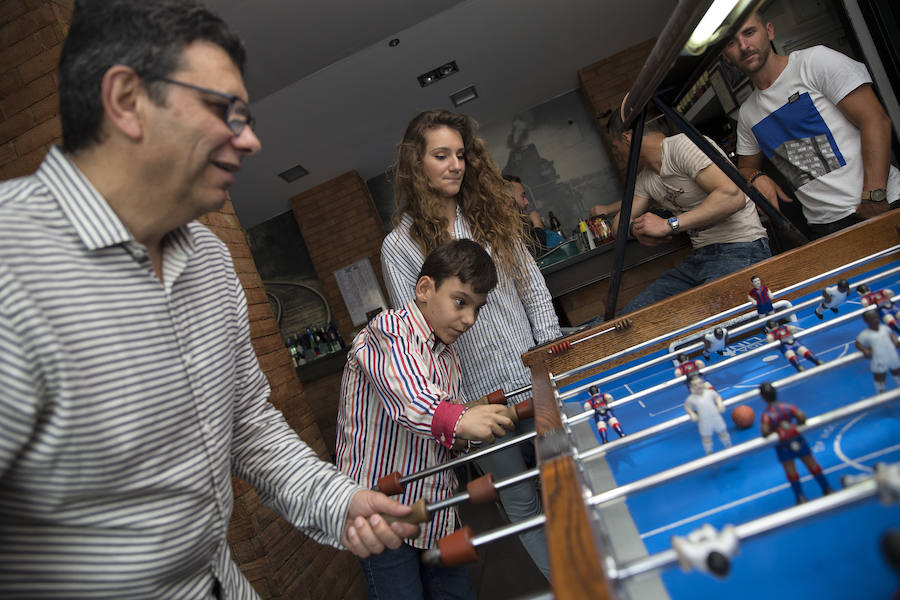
{"x": 725, "y": 230}
{"x": 815, "y": 116}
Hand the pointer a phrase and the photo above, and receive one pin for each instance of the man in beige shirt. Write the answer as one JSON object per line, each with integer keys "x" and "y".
{"x": 725, "y": 231}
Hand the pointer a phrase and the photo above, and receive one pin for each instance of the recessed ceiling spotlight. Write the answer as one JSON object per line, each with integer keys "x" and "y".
{"x": 445, "y": 70}
{"x": 394, "y": 42}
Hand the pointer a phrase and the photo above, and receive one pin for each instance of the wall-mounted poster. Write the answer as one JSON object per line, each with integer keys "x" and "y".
{"x": 360, "y": 290}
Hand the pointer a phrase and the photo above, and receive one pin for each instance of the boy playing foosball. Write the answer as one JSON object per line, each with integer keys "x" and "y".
{"x": 401, "y": 409}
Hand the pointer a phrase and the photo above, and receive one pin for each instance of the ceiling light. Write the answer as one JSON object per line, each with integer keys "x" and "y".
{"x": 464, "y": 95}
{"x": 720, "y": 15}
{"x": 394, "y": 42}
{"x": 445, "y": 70}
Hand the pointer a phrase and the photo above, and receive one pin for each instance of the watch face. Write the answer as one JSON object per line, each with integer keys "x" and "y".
{"x": 879, "y": 195}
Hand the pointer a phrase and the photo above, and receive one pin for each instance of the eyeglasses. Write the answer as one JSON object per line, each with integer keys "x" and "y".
{"x": 236, "y": 114}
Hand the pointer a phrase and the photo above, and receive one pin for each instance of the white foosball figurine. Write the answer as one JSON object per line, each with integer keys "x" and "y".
{"x": 714, "y": 341}
{"x": 887, "y": 479}
{"x": 707, "y": 550}
{"x": 832, "y": 297}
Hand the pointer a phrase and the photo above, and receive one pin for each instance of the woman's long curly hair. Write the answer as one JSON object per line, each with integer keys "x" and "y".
{"x": 483, "y": 198}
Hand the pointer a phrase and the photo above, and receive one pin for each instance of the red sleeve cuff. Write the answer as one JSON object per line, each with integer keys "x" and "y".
{"x": 443, "y": 423}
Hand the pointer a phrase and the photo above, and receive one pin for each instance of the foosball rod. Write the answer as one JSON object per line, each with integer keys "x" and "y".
{"x": 790, "y": 516}
{"x": 570, "y": 393}
{"x": 738, "y": 450}
{"x": 731, "y": 311}
{"x": 460, "y": 547}
{"x": 560, "y": 347}
{"x": 477, "y": 489}
{"x": 723, "y": 364}
{"x": 653, "y": 430}
{"x": 699, "y": 345}
{"x": 394, "y": 483}
{"x": 735, "y": 331}
{"x": 480, "y": 495}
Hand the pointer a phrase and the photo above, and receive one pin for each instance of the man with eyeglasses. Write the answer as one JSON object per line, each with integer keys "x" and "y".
{"x": 130, "y": 390}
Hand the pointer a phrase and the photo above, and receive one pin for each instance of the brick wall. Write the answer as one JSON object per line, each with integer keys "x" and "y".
{"x": 279, "y": 560}
{"x": 31, "y": 35}
{"x": 340, "y": 225}
{"x": 606, "y": 82}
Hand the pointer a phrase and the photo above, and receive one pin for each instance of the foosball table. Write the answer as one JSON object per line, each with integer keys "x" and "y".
{"x": 650, "y": 515}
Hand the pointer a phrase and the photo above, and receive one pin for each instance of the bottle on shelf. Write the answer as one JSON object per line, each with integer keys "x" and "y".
{"x": 555, "y": 225}
{"x": 310, "y": 338}
{"x": 335, "y": 337}
{"x": 587, "y": 235}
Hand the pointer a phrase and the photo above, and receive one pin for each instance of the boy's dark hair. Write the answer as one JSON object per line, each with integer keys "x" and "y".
{"x": 464, "y": 259}
{"x": 147, "y": 35}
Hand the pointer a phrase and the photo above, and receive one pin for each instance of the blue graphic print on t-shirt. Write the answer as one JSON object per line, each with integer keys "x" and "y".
{"x": 797, "y": 140}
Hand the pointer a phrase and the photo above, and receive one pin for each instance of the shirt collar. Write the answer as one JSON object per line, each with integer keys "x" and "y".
{"x": 422, "y": 328}
{"x": 91, "y": 216}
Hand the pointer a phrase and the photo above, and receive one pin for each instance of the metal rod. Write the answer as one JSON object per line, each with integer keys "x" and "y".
{"x": 731, "y": 172}
{"x": 735, "y": 359}
{"x": 671, "y": 40}
{"x": 726, "y": 313}
{"x": 498, "y": 485}
{"x": 789, "y": 516}
{"x": 470, "y": 456}
{"x": 690, "y": 467}
{"x": 634, "y": 155}
{"x": 637, "y": 436}
{"x": 508, "y": 530}
{"x": 739, "y": 450}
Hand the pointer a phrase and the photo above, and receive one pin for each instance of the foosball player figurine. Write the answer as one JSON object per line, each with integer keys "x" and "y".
{"x": 714, "y": 341}
{"x": 879, "y": 344}
{"x": 760, "y": 295}
{"x": 603, "y": 414}
{"x": 881, "y": 300}
{"x": 781, "y": 417}
{"x": 832, "y": 297}
{"x": 705, "y": 407}
{"x": 790, "y": 348}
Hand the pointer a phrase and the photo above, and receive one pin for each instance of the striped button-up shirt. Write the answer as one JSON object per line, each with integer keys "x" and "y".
{"x": 399, "y": 408}
{"x": 519, "y": 313}
{"x": 126, "y": 404}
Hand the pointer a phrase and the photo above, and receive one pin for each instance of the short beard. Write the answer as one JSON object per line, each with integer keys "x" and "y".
{"x": 763, "y": 54}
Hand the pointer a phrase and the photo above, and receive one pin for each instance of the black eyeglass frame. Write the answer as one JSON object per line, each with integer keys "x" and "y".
{"x": 236, "y": 125}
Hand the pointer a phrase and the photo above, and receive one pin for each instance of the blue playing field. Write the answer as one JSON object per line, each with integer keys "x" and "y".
{"x": 832, "y": 556}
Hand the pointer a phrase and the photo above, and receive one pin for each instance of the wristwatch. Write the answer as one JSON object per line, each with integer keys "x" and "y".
{"x": 876, "y": 195}
{"x": 673, "y": 224}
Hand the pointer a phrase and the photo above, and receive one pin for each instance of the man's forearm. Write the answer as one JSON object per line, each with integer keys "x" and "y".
{"x": 875, "y": 139}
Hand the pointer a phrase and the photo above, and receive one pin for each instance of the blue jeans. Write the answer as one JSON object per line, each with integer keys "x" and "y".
{"x": 703, "y": 265}
{"x": 400, "y": 575}
{"x": 520, "y": 501}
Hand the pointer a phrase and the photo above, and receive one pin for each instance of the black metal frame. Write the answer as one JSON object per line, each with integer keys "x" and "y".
{"x": 777, "y": 219}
